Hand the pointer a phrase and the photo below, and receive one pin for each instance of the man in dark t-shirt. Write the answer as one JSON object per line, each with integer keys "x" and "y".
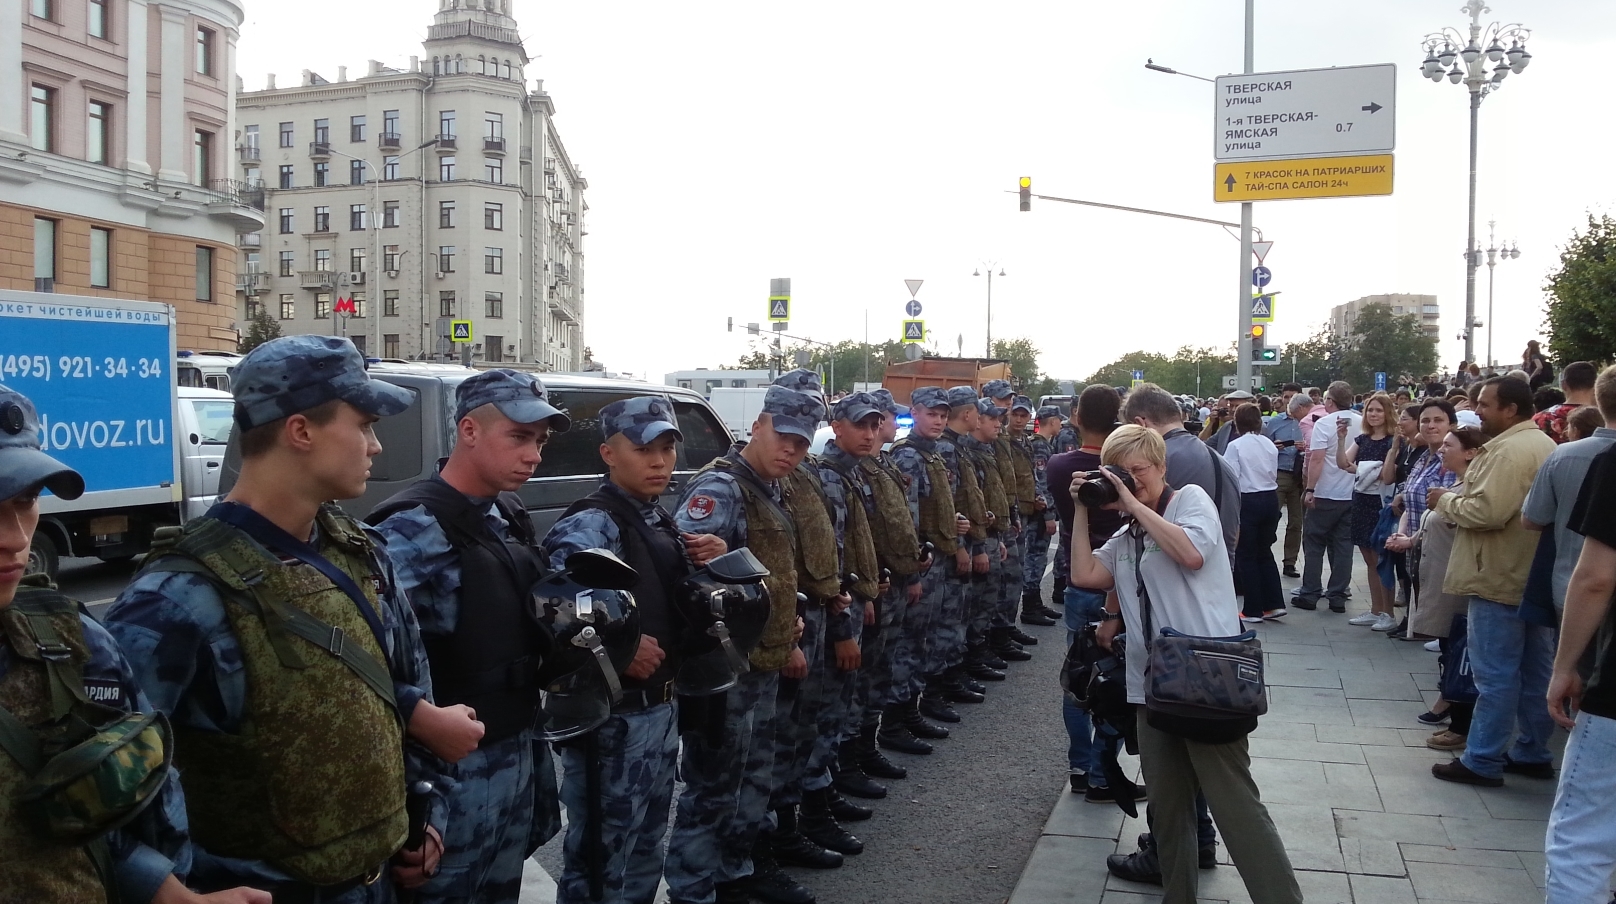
{"x": 1581, "y": 843}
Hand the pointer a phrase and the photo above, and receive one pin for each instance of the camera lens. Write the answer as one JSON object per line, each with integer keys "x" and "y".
{"x": 1096, "y": 492}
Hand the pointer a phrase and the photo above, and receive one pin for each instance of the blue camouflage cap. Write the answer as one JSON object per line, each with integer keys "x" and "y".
{"x": 640, "y": 420}
{"x": 1048, "y": 411}
{"x": 961, "y": 395}
{"x": 855, "y": 407}
{"x": 888, "y": 404}
{"x": 997, "y": 389}
{"x": 1022, "y": 402}
{"x": 929, "y": 397}
{"x": 292, "y": 374}
{"x": 22, "y": 465}
{"x": 986, "y": 408}
{"x": 802, "y": 380}
{"x": 794, "y": 411}
{"x": 518, "y": 395}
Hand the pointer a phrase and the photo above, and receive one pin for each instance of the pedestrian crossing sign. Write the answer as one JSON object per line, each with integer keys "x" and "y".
{"x": 779, "y": 308}
{"x": 914, "y": 331}
{"x": 460, "y": 331}
{"x": 1262, "y": 307}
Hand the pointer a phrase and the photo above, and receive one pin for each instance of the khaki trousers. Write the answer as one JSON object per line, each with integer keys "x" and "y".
{"x": 1175, "y": 769}
{"x": 1290, "y": 503}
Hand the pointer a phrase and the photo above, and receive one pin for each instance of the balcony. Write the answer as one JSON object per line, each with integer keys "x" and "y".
{"x": 320, "y": 149}
{"x": 446, "y": 144}
{"x": 249, "y": 153}
{"x": 494, "y": 146}
{"x": 317, "y": 279}
{"x": 563, "y": 310}
{"x": 241, "y": 204}
{"x": 252, "y": 282}
{"x": 251, "y": 240}
{"x": 390, "y": 141}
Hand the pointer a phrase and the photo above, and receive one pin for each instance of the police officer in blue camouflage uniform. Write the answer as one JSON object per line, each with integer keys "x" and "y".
{"x": 729, "y": 747}
{"x": 985, "y": 644}
{"x": 220, "y": 627}
{"x": 1040, "y": 444}
{"x": 1038, "y": 519}
{"x": 484, "y": 648}
{"x": 150, "y": 856}
{"x": 635, "y": 752}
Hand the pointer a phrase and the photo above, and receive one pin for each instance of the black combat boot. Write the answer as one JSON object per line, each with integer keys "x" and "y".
{"x": 787, "y": 844}
{"x": 737, "y": 892}
{"x": 1033, "y": 612}
{"x": 873, "y": 761}
{"x": 984, "y": 654}
{"x": 935, "y": 706}
{"x": 979, "y": 665}
{"x": 821, "y": 828}
{"x": 972, "y": 685}
{"x": 1005, "y": 648}
{"x": 849, "y": 776}
{"x": 771, "y": 883}
{"x": 917, "y": 724}
{"x": 1022, "y": 637}
{"x": 894, "y": 736}
{"x": 1057, "y": 599}
{"x": 845, "y": 810}
{"x": 955, "y": 688}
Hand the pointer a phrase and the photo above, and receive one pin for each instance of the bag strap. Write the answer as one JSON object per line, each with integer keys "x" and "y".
{"x": 65, "y": 674}
{"x": 1217, "y": 477}
{"x": 22, "y": 744}
{"x": 1139, "y": 561}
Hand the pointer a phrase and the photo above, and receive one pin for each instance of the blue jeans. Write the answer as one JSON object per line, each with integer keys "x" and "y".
{"x": 1581, "y": 843}
{"x": 1511, "y": 661}
{"x": 1085, "y": 743}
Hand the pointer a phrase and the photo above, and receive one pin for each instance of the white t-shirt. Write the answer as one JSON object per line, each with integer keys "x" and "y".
{"x": 1334, "y": 483}
{"x": 1256, "y": 462}
{"x": 1194, "y": 602}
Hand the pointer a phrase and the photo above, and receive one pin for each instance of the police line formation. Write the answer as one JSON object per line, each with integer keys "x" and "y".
{"x": 288, "y": 705}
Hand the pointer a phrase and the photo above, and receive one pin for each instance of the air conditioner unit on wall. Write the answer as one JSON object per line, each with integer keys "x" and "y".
{"x": 439, "y": 275}
{"x": 392, "y": 274}
{"x": 356, "y": 277}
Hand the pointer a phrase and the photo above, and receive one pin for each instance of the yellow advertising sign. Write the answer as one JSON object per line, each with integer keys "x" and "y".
{"x": 1311, "y": 177}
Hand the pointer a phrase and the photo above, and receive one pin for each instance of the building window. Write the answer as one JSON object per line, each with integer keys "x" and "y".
{"x": 322, "y": 306}
{"x": 494, "y": 304}
{"x": 390, "y": 218}
{"x": 252, "y": 307}
{"x": 493, "y": 348}
{"x": 358, "y": 299}
{"x": 204, "y": 51}
{"x": 96, "y": 143}
{"x": 446, "y": 168}
{"x": 446, "y": 124}
{"x": 98, "y": 19}
{"x": 359, "y": 340}
{"x": 44, "y": 250}
{"x": 493, "y": 260}
{"x": 437, "y": 65}
{"x": 286, "y": 175}
{"x": 356, "y": 128}
{"x": 286, "y": 220}
{"x": 446, "y": 255}
{"x": 356, "y": 172}
{"x": 42, "y": 121}
{"x": 322, "y": 174}
{"x": 288, "y": 307}
{"x": 493, "y": 126}
{"x": 356, "y": 260}
{"x": 288, "y": 261}
{"x": 322, "y": 219}
{"x": 203, "y": 146}
{"x": 249, "y": 138}
{"x": 286, "y": 134}
{"x": 390, "y": 303}
{"x": 390, "y": 258}
{"x": 43, "y": 9}
{"x": 100, "y": 257}
{"x": 493, "y": 216}
{"x": 507, "y": 68}
{"x": 446, "y": 214}
{"x": 389, "y": 345}
{"x": 356, "y": 217}
{"x": 389, "y": 169}
{"x": 390, "y": 122}
{"x": 322, "y": 260}
{"x": 494, "y": 170}
{"x": 204, "y": 273}
{"x": 446, "y": 304}
{"x": 322, "y": 131}
{"x": 250, "y": 176}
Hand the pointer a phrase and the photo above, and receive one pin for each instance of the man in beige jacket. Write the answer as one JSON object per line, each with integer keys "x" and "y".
{"x": 1492, "y": 553}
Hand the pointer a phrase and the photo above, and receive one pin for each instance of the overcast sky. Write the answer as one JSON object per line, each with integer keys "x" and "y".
{"x": 852, "y": 145}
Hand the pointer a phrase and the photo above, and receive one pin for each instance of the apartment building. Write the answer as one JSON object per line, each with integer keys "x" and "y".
{"x": 1424, "y": 307}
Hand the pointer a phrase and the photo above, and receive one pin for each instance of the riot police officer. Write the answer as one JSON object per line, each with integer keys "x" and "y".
{"x": 1040, "y": 446}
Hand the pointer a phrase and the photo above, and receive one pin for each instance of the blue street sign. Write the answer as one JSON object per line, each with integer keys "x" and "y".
{"x": 912, "y": 308}
{"x": 1138, "y": 375}
{"x": 1380, "y": 381}
{"x": 1261, "y": 276}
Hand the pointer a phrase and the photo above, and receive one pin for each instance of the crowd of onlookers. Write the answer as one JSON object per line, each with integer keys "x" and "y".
{"x": 1484, "y": 507}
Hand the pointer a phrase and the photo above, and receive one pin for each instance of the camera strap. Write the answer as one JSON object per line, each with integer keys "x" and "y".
{"x": 1137, "y": 531}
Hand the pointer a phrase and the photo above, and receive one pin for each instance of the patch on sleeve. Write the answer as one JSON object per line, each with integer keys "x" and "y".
{"x": 699, "y": 507}
{"x": 105, "y": 691}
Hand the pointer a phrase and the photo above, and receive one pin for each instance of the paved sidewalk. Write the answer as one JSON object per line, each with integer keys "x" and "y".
{"x": 1344, "y": 770}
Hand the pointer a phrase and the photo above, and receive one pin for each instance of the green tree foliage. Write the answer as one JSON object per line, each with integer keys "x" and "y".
{"x": 1023, "y": 358}
{"x": 1394, "y": 344}
{"x": 1581, "y": 320}
{"x": 262, "y": 329}
{"x": 1177, "y": 373}
{"x": 849, "y": 360}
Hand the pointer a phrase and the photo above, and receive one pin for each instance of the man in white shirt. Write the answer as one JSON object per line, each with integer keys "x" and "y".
{"x": 1328, "y": 497}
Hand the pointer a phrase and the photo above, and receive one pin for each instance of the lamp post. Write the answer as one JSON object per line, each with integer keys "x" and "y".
{"x": 1463, "y": 60}
{"x": 988, "y": 266}
{"x": 1494, "y": 254}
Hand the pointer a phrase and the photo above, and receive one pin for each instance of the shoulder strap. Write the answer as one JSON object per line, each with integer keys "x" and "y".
{"x": 1139, "y": 561}
{"x": 1217, "y": 477}
{"x": 754, "y": 489}
{"x": 39, "y": 606}
{"x": 618, "y": 509}
{"x": 17, "y": 740}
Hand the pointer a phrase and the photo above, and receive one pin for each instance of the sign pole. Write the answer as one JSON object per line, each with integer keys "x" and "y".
{"x": 1242, "y": 358}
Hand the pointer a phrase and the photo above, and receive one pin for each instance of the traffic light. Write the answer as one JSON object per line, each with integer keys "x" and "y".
{"x": 1260, "y": 352}
{"x": 1026, "y": 193}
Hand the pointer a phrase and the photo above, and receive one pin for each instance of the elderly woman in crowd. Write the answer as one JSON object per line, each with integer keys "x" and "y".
{"x": 1174, "y": 545}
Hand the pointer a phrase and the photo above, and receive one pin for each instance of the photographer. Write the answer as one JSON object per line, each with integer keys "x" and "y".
{"x": 1184, "y": 566}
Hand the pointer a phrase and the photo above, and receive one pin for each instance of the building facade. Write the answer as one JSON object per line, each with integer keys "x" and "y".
{"x": 428, "y": 195}
{"x": 114, "y": 175}
{"x": 1342, "y": 316}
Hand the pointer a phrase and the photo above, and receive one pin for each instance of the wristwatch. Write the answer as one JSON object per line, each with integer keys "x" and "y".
{"x": 1110, "y": 616}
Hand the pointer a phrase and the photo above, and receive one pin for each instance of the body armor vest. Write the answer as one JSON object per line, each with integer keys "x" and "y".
{"x": 858, "y": 543}
{"x": 771, "y": 537}
{"x": 1020, "y": 457}
{"x": 313, "y": 782}
{"x": 34, "y": 867}
{"x": 969, "y": 498}
{"x": 994, "y": 498}
{"x": 491, "y": 662}
{"x": 937, "y": 508}
{"x": 659, "y": 559}
{"x": 897, "y": 545}
{"x": 816, "y": 535}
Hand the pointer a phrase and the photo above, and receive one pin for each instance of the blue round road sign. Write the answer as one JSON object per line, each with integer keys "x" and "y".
{"x": 912, "y": 308}
{"x": 1261, "y": 276}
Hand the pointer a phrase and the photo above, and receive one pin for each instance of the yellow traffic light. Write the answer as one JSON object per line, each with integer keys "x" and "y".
{"x": 1257, "y": 331}
{"x": 1026, "y": 193}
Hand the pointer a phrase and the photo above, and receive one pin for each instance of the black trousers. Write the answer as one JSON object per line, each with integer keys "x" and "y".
{"x": 1254, "y": 565}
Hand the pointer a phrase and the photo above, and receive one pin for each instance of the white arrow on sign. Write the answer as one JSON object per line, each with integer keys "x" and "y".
{"x": 913, "y": 286}
{"x": 1261, "y": 249}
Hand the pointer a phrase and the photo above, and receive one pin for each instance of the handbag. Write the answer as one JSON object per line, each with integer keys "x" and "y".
{"x": 1458, "y": 683}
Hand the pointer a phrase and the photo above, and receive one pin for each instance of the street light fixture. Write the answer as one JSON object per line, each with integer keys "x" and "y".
{"x": 989, "y": 265}
{"x": 1154, "y": 66}
{"x": 1461, "y": 60}
{"x": 1495, "y": 253}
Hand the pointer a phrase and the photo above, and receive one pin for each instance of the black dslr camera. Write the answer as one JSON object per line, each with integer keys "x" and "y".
{"x": 1097, "y": 491}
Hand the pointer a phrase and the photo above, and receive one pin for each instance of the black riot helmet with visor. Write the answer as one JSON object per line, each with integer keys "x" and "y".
{"x": 725, "y": 608}
{"x": 596, "y": 637}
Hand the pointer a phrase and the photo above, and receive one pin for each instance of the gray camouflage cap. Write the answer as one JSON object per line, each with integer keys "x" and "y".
{"x": 888, "y": 404}
{"x": 929, "y": 397}
{"x": 640, "y": 420}
{"x": 961, "y": 395}
{"x": 22, "y": 465}
{"x": 855, "y": 407}
{"x": 802, "y": 380}
{"x": 1022, "y": 402}
{"x": 518, "y": 395}
{"x": 1048, "y": 411}
{"x": 997, "y": 389}
{"x": 292, "y": 374}
{"x": 986, "y": 408}
{"x": 793, "y": 411}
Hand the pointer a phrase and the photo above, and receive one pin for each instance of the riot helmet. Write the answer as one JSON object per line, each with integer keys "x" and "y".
{"x": 725, "y": 608}
{"x": 588, "y": 609}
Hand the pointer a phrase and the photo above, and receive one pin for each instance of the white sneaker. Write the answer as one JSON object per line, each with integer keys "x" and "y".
{"x": 1435, "y": 646}
{"x": 1364, "y": 620}
{"x": 1251, "y": 619}
{"x": 1384, "y": 622}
